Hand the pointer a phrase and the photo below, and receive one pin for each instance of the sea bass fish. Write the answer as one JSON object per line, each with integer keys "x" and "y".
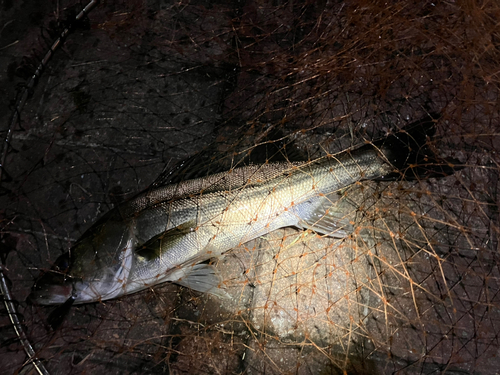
{"x": 166, "y": 232}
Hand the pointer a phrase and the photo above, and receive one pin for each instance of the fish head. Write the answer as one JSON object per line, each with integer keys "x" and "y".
{"x": 59, "y": 284}
{"x": 95, "y": 269}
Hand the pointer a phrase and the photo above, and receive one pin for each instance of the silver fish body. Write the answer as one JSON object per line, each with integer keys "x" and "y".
{"x": 164, "y": 233}
{"x": 247, "y": 203}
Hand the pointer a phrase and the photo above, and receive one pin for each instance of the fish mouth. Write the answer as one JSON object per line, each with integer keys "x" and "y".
{"x": 54, "y": 286}
{"x": 51, "y": 289}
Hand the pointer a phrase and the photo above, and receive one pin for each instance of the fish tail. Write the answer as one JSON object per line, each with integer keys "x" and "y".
{"x": 409, "y": 153}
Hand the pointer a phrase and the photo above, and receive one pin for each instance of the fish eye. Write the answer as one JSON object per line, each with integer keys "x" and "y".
{"x": 62, "y": 263}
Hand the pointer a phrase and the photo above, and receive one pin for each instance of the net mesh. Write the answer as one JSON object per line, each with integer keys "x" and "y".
{"x": 142, "y": 85}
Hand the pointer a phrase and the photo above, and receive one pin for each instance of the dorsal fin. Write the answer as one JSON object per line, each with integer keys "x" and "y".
{"x": 409, "y": 152}
{"x": 273, "y": 147}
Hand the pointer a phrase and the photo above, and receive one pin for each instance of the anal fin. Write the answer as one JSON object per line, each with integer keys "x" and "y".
{"x": 203, "y": 278}
{"x": 324, "y": 215}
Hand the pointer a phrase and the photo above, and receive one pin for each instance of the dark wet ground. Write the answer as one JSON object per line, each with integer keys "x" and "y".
{"x": 143, "y": 85}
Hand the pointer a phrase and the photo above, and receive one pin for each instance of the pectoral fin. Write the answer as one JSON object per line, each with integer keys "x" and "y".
{"x": 154, "y": 248}
{"x": 200, "y": 277}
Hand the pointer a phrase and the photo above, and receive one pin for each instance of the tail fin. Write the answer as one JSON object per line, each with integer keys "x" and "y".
{"x": 408, "y": 151}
